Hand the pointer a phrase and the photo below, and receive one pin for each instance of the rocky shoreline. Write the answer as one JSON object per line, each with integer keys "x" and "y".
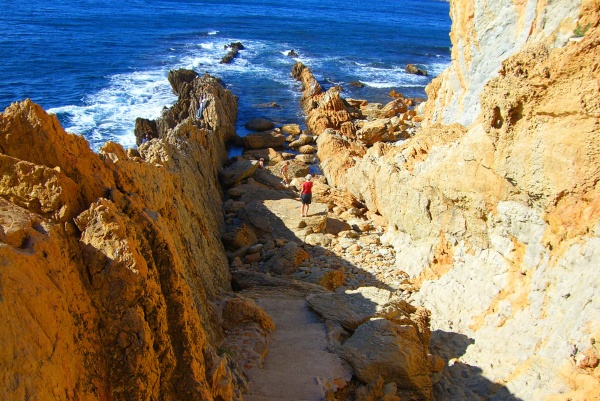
{"x": 448, "y": 262}
{"x": 142, "y": 249}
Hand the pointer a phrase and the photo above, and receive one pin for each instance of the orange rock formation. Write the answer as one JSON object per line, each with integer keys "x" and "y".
{"x": 112, "y": 263}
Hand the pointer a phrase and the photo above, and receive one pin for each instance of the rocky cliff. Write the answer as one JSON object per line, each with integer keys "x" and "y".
{"x": 494, "y": 206}
{"x": 112, "y": 265}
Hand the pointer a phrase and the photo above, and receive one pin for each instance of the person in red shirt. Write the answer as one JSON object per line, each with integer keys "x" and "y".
{"x": 306, "y": 195}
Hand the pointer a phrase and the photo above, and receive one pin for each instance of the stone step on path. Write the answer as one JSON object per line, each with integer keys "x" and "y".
{"x": 297, "y": 367}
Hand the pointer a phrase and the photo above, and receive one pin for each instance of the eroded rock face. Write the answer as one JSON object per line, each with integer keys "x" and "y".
{"x": 477, "y": 52}
{"x": 113, "y": 261}
{"x": 496, "y": 219}
{"x": 394, "y": 352}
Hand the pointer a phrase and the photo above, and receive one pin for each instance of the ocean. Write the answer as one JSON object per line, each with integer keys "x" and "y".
{"x": 100, "y": 64}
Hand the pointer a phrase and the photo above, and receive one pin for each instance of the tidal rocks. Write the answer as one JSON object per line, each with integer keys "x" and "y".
{"x": 260, "y": 140}
{"x": 259, "y": 124}
{"x": 413, "y": 69}
{"x": 234, "y": 47}
{"x": 302, "y": 140}
{"x": 292, "y": 129}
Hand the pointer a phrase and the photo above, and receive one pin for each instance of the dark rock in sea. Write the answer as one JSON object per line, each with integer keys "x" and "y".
{"x": 259, "y": 125}
{"x": 413, "y": 69}
{"x": 260, "y": 140}
{"x": 234, "y": 47}
{"x": 358, "y": 84}
{"x": 271, "y": 105}
{"x": 292, "y": 54}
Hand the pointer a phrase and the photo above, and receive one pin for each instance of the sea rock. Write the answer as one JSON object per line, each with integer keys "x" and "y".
{"x": 266, "y": 177}
{"x": 471, "y": 197}
{"x": 301, "y": 141}
{"x": 294, "y": 169}
{"x": 259, "y": 125}
{"x": 393, "y": 108}
{"x": 381, "y": 348}
{"x": 337, "y": 155}
{"x": 268, "y": 139}
{"x": 413, "y": 69}
{"x": 292, "y": 129}
{"x": 271, "y": 105}
{"x": 234, "y": 47}
{"x": 307, "y": 149}
{"x": 358, "y": 84}
{"x": 323, "y": 109}
{"x": 306, "y": 159}
{"x": 144, "y": 128}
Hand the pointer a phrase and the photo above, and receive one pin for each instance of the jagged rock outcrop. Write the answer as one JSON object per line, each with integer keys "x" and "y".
{"x": 496, "y": 219}
{"x": 113, "y": 262}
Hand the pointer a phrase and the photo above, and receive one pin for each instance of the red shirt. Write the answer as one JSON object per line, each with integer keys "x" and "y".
{"x": 307, "y": 187}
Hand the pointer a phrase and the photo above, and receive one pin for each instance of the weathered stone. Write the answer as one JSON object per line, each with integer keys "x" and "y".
{"x": 380, "y": 348}
{"x": 307, "y": 149}
{"x": 376, "y": 131}
{"x": 269, "y": 155}
{"x": 267, "y": 139}
{"x": 260, "y": 125}
{"x": 240, "y": 310}
{"x": 92, "y": 297}
{"x": 292, "y": 129}
{"x": 308, "y": 159}
{"x": 335, "y": 226}
{"x": 330, "y": 279}
{"x": 287, "y": 260}
{"x": 413, "y": 69}
{"x": 238, "y": 171}
{"x": 301, "y": 141}
{"x": 240, "y": 237}
{"x": 234, "y": 47}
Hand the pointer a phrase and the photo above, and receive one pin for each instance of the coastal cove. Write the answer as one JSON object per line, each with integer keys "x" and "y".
{"x": 255, "y": 201}
{"x": 99, "y": 66}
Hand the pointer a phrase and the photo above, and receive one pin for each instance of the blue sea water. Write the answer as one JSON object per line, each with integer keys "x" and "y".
{"x": 99, "y": 64}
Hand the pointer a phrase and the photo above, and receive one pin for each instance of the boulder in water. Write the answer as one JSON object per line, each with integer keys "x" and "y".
{"x": 259, "y": 125}
{"x": 413, "y": 69}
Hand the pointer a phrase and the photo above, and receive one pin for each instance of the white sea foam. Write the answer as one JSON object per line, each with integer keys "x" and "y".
{"x": 212, "y": 33}
{"x": 110, "y": 113}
